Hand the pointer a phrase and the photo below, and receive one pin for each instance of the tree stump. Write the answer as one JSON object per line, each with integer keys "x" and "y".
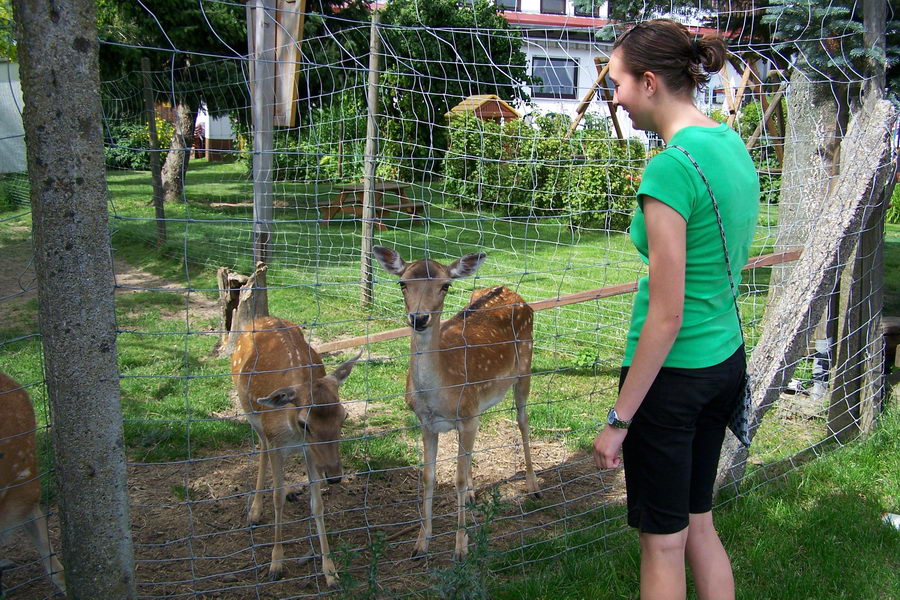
{"x": 242, "y": 300}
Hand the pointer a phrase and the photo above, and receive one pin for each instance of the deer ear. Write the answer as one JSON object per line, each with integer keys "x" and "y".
{"x": 389, "y": 259}
{"x": 467, "y": 265}
{"x": 343, "y": 371}
{"x": 279, "y": 397}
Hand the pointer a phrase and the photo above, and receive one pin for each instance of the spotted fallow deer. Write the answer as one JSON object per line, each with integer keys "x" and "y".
{"x": 460, "y": 368}
{"x": 20, "y": 486}
{"x": 294, "y": 407}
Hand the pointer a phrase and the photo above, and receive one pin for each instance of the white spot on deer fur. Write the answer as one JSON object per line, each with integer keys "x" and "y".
{"x": 24, "y": 474}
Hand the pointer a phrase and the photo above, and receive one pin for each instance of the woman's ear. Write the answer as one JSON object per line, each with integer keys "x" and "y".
{"x": 649, "y": 83}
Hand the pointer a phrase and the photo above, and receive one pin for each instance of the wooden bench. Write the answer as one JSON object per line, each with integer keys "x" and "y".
{"x": 350, "y": 201}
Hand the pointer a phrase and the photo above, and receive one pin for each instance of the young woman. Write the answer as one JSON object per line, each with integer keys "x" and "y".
{"x": 684, "y": 359}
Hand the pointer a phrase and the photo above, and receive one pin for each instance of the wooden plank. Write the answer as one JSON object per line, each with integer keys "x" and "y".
{"x": 584, "y": 296}
{"x": 262, "y": 60}
{"x": 586, "y": 101}
{"x": 772, "y": 106}
{"x": 726, "y": 89}
{"x": 366, "y": 274}
{"x": 739, "y": 95}
{"x": 604, "y": 93}
{"x": 288, "y": 39}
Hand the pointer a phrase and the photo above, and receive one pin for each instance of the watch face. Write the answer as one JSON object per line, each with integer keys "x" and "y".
{"x": 612, "y": 419}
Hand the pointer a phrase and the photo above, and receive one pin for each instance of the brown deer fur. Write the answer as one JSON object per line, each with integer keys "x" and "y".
{"x": 460, "y": 368}
{"x": 20, "y": 486}
{"x": 294, "y": 407}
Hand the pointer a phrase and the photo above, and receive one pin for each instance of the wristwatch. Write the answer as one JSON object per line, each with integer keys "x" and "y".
{"x": 613, "y": 420}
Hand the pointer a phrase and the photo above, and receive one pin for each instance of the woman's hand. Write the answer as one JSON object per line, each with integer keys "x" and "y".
{"x": 606, "y": 447}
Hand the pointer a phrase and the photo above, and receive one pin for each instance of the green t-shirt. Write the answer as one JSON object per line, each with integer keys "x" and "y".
{"x": 709, "y": 332}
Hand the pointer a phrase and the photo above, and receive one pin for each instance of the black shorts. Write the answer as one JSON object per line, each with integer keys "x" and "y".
{"x": 671, "y": 452}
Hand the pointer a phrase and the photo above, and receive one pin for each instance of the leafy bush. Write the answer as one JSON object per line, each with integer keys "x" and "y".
{"x": 332, "y": 137}
{"x": 128, "y": 145}
{"x": 516, "y": 169}
{"x": 893, "y": 211}
{"x": 14, "y": 191}
{"x": 606, "y": 182}
{"x": 769, "y": 171}
{"x": 750, "y": 116}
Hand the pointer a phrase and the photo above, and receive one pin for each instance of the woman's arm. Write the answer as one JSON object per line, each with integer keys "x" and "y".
{"x": 666, "y": 241}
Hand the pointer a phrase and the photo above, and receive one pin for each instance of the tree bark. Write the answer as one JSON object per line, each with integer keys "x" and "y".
{"x": 799, "y": 307}
{"x": 243, "y": 299}
{"x": 178, "y": 156}
{"x": 58, "y": 50}
{"x": 811, "y": 158}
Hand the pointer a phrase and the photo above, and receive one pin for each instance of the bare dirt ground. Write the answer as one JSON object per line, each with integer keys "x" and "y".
{"x": 189, "y": 519}
{"x": 191, "y": 539}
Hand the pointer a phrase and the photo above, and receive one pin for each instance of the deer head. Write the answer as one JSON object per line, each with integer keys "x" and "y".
{"x": 425, "y": 283}
{"x": 317, "y": 418}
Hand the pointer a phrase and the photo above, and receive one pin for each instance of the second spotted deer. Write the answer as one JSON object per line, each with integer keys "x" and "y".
{"x": 461, "y": 367}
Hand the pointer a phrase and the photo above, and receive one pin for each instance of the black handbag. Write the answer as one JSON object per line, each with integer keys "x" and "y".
{"x": 739, "y": 422}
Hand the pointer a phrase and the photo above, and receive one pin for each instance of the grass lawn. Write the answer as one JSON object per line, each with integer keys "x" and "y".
{"x": 814, "y": 533}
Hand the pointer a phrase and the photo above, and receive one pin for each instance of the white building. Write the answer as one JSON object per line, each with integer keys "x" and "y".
{"x": 560, "y": 44}
{"x": 12, "y": 133}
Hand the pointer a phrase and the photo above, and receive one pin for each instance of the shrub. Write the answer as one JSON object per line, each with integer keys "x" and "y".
{"x": 313, "y": 150}
{"x": 769, "y": 171}
{"x": 606, "y": 183}
{"x": 893, "y": 211}
{"x": 128, "y": 145}
{"x": 517, "y": 169}
{"x": 14, "y": 191}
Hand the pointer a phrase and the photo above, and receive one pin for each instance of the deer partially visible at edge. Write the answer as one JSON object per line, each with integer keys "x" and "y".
{"x": 20, "y": 484}
{"x": 461, "y": 367}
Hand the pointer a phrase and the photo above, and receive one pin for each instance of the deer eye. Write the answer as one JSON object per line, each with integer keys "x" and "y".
{"x": 402, "y": 285}
{"x": 445, "y": 287}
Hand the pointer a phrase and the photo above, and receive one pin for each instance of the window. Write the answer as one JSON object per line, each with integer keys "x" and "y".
{"x": 588, "y": 8}
{"x": 553, "y": 7}
{"x": 558, "y": 77}
{"x": 509, "y": 4}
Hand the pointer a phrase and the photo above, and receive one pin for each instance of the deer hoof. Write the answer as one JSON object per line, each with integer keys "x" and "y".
{"x": 418, "y": 554}
{"x": 276, "y": 574}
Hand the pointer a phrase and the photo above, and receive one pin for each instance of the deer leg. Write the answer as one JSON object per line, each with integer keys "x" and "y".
{"x": 521, "y": 389}
{"x": 256, "y": 507}
{"x": 36, "y": 529}
{"x": 276, "y": 569}
{"x": 430, "y": 443}
{"x": 464, "y": 492}
{"x": 317, "y": 509}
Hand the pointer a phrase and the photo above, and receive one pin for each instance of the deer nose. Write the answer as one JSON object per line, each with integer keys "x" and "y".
{"x": 335, "y": 479}
{"x": 418, "y": 321}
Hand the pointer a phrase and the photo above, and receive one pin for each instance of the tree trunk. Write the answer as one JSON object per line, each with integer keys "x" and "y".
{"x": 818, "y": 121}
{"x": 841, "y": 216}
{"x": 58, "y": 51}
{"x": 179, "y": 155}
{"x": 811, "y": 159}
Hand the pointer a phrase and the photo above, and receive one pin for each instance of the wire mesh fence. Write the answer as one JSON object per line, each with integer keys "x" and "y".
{"x": 493, "y": 131}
